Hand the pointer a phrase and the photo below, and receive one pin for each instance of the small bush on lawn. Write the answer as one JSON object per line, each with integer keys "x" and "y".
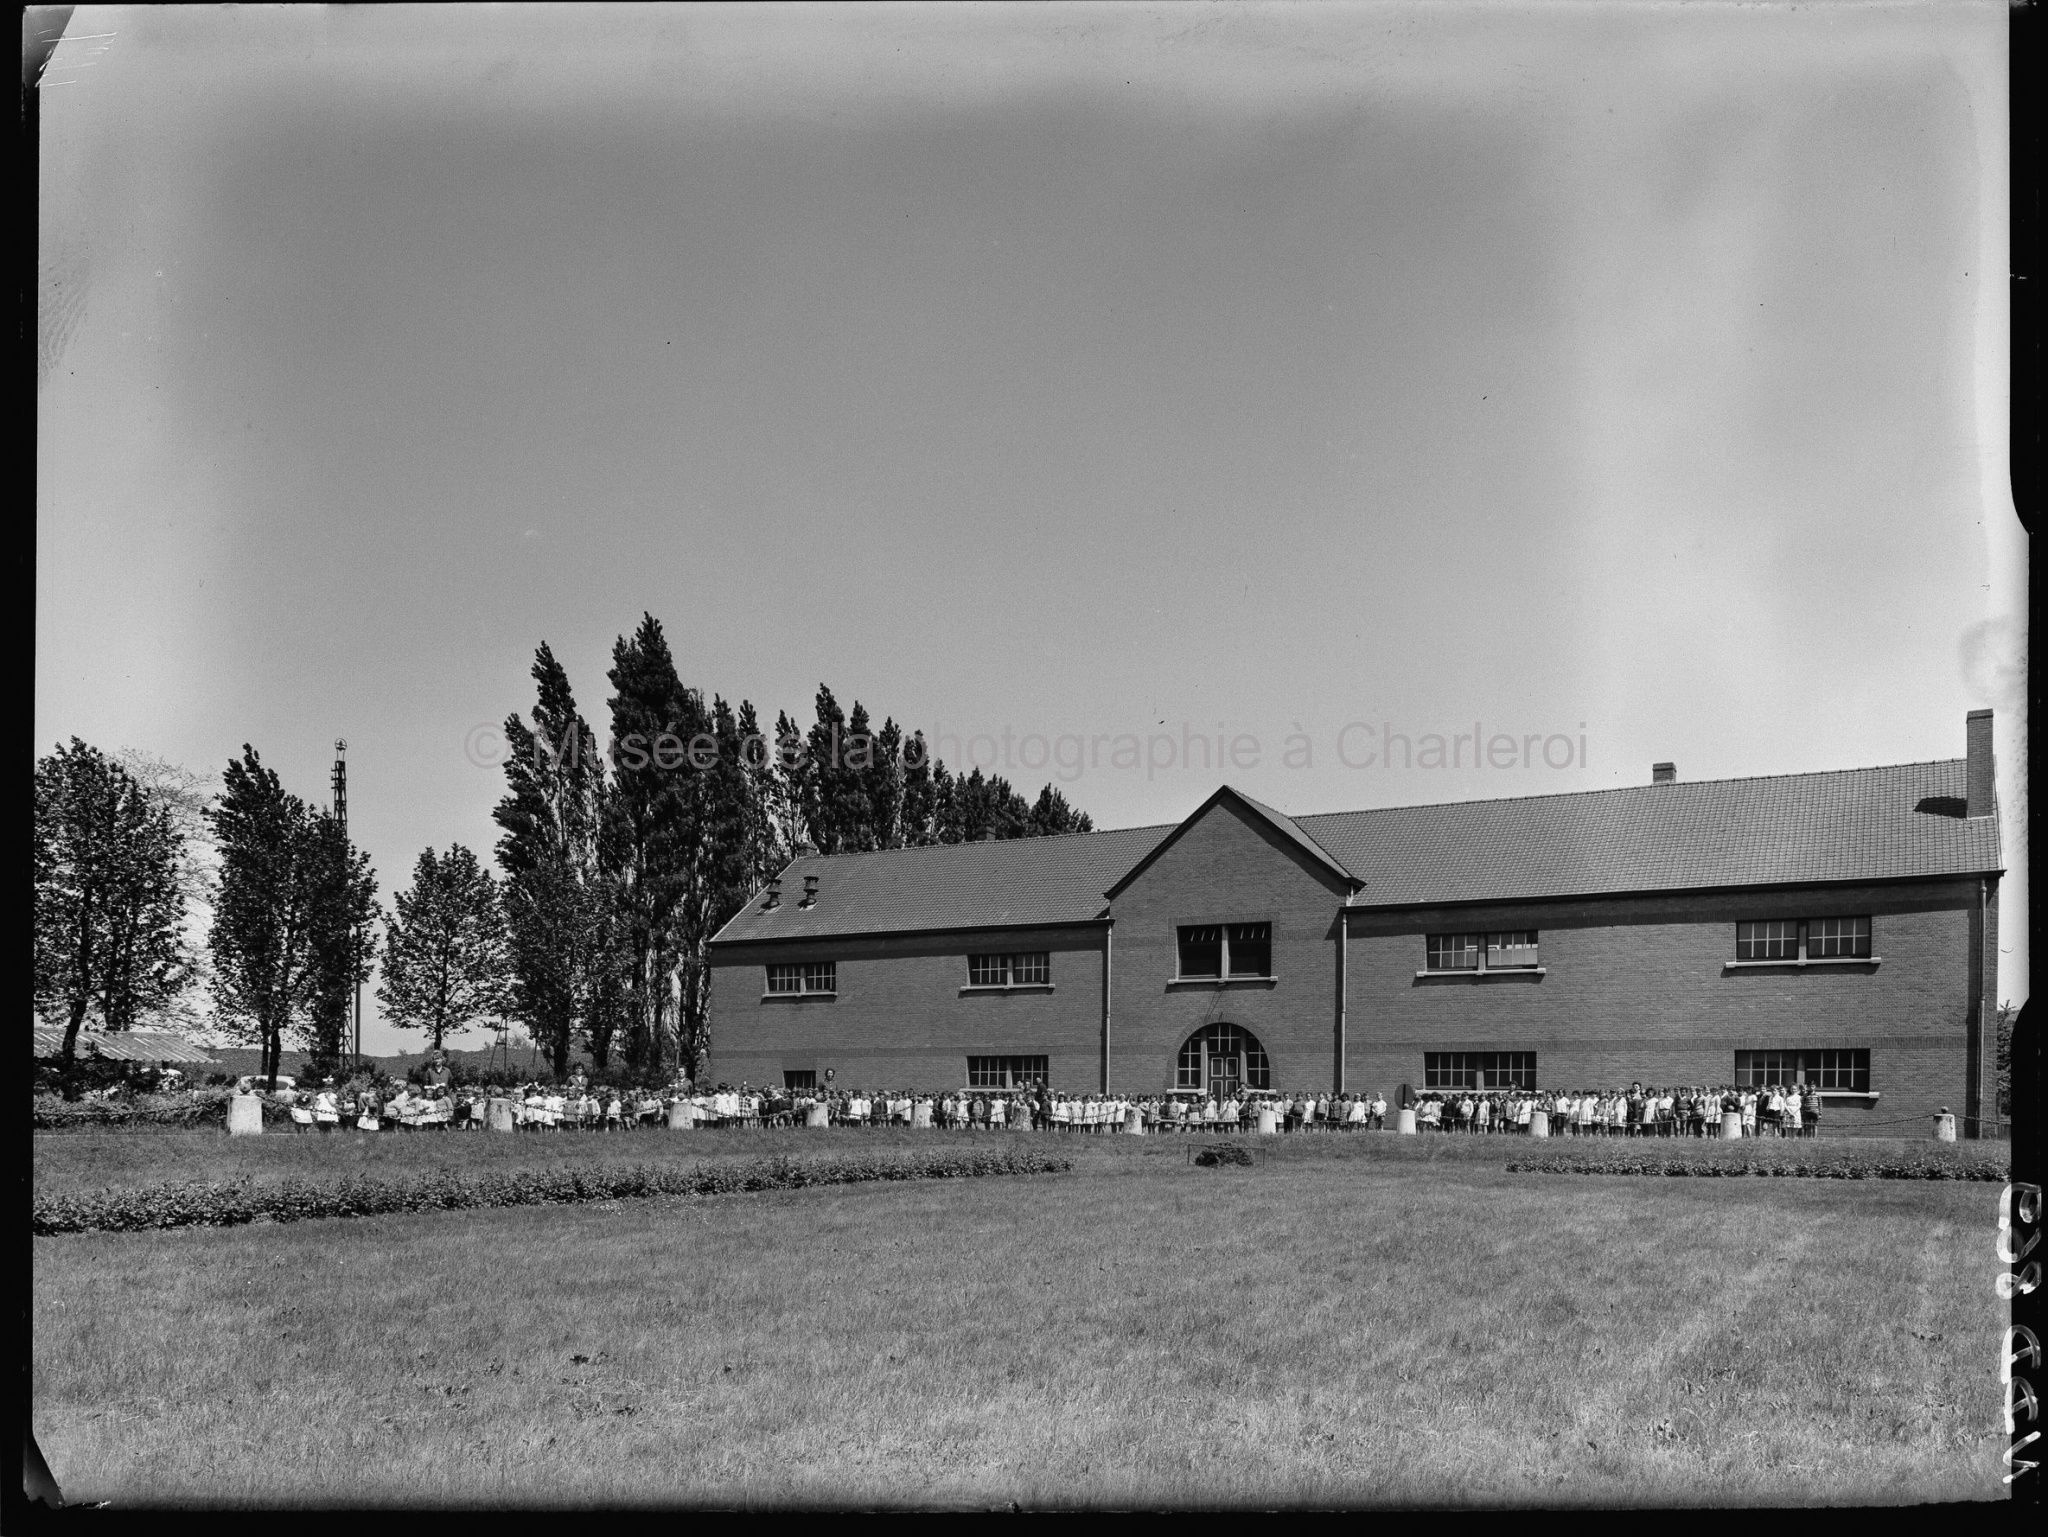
{"x": 226, "y": 1204}
{"x": 1789, "y": 1160}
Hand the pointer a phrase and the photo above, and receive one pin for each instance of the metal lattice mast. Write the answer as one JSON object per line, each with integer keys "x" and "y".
{"x": 340, "y": 782}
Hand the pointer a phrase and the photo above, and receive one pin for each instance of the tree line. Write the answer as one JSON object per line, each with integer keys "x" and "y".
{"x": 614, "y": 870}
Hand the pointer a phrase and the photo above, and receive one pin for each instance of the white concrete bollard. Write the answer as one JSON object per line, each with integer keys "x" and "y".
{"x": 1731, "y": 1125}
{"x": 1539, "y": 1123}
{"x": 499, "y": 1115}
{"x": 245, "y": 1116}
{"x": 818, "y": 1115}
{"x": 1404, "y": 1122}
{"x": 679, "y": 1116}
{"x": 1944, "y": 1127}
{"x": 1269, "y": 1122}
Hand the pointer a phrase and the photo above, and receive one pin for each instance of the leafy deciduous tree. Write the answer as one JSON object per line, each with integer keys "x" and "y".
{"x": 446, "y": 961}
{"x": 289, "y": 937}
{"x": 109, "y": 900}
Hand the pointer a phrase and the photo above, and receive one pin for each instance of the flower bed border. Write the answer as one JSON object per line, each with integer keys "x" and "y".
{"x": 227, "y": 1204}
{"x": 1930, "y": 1166}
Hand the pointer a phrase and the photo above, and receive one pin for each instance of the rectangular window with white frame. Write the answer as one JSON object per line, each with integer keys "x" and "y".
{"x": 1843, "y": 1070}
{"x": 1479, "y": 1070}
{"x": 1007, "y": 1072}
{"x": 800, "y": 978}
{"x": 1797, "y": 941}
{"x": 1023, "y": 968}
{"x": 1504, "y": 950}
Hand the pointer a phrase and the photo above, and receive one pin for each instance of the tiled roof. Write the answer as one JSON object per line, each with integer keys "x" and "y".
{"x": 1786, "y": 829}
{"x": 1004, "y": 883}
{"x": 1848, "y": 825}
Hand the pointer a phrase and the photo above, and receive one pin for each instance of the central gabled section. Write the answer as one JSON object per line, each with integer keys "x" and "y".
{"x": 1225, "y": 947}
{"x": 1282, "y": 832}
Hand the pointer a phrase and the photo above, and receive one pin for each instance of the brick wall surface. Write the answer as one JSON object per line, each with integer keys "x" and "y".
{"x": 903, "y": 1018}
{"x": 1637, "y": 988}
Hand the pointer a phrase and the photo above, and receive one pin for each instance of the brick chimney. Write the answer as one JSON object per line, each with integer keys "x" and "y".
{"x": 1663, "y": 773}
{"x": 1980, "y": 782}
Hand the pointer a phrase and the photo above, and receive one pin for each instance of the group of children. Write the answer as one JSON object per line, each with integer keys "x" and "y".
{"x": 366, "y": 1107}
{"x": 1776, "y": 1110}
{"x": 1698, "y": 1111}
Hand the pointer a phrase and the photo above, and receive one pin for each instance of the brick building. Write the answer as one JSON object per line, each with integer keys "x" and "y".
{"x": 1838, "y": 928}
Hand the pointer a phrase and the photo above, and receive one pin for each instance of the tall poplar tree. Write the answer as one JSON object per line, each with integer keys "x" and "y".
{"x": 555, "y": 900}
{"x": 652, "y": 832}
{"x": 920, "y": 793}
{"x": 1051, "y": 816}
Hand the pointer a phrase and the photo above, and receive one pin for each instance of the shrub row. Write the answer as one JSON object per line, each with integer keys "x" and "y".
{"x": 1833, "y": 1163}
{"x": 196, "y": 1107}
{"x": 213, "y": 1204}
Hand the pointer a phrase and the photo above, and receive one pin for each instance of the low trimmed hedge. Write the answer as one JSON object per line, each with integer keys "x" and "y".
{"x": 1795, "y": 1161}
{"x": 185, "y": 1109}
{"x": 204, "y": 1204}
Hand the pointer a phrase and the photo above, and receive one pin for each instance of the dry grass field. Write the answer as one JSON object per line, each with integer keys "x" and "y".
{"x": 1351, "y": 1321}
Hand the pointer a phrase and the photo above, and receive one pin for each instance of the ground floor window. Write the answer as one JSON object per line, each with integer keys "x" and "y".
{"x": 1479, "y": 1070}
{"x": 799, "y": 1078}
{"x": 1847, "y": 1070}
{"x": 1006, "y": 1072}
{"x": 1221, "y": 1060}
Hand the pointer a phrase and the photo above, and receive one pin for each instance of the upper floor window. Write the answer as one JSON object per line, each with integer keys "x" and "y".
{"x": 1227, "y": 950}
{"x": 1777, "y": 941}
{"x": 804, "y": 977}
{"x": 1803, "y": 939}
{"x": 1506, "y": 950}
{"x": 1024, "y": 968}
{"x": 1837, "y": 938}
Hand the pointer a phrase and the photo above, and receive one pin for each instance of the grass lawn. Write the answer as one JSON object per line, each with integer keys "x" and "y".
{"x": 77, "y": 1160}
{"x": 1352, "y": 1320}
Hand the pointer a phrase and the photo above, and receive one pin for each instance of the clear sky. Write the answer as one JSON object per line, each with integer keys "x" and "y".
{"x": 1631, "y": 375}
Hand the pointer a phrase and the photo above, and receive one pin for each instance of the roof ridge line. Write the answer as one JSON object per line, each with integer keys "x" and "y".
{"x": 919, "y": 848}
{"x": 1558, "y": 795}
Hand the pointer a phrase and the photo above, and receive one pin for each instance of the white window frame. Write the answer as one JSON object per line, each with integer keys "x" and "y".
{"x": 1803, "y": 952}
{"x": 1483, "y": 945}
{"x": 1009, "y": 972}
{"x": 814, "y": 979}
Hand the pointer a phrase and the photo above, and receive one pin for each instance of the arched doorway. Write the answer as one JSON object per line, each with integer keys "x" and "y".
{"x": 1221, "y": 1060}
